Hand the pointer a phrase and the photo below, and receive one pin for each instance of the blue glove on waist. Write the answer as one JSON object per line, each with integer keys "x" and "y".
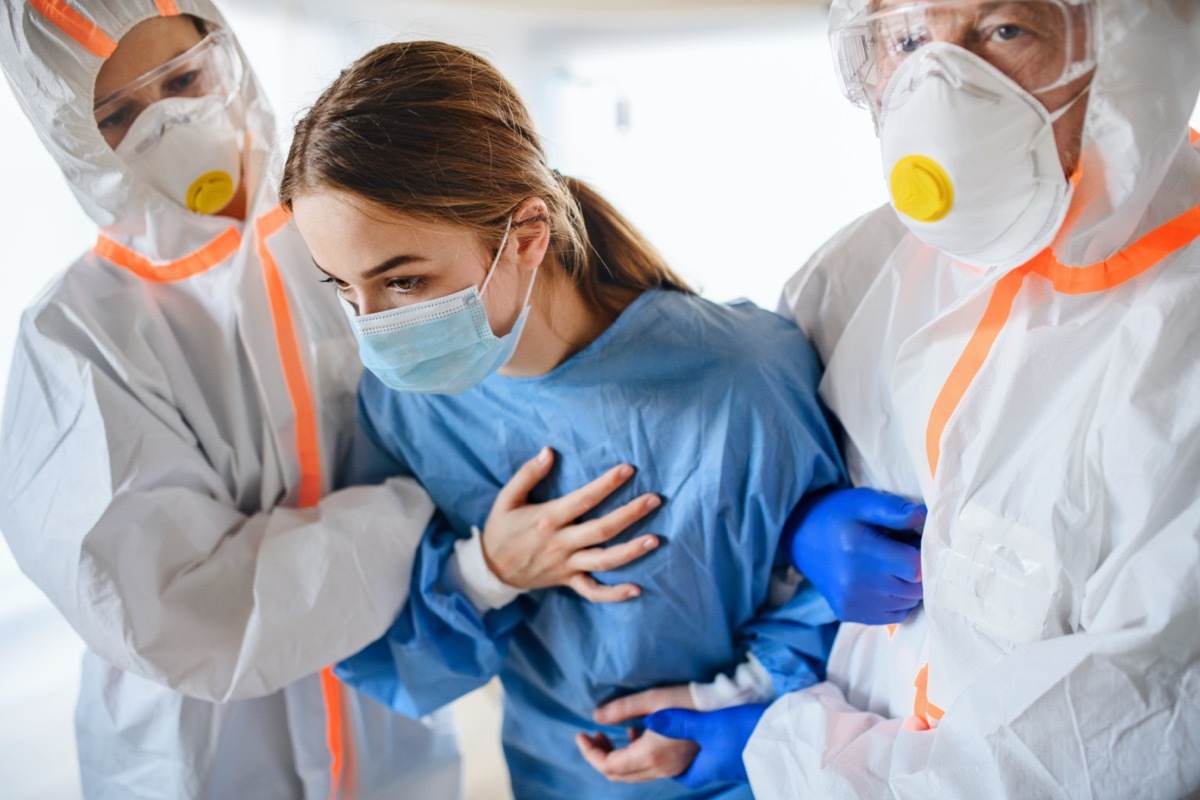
{"x": 861, "y": 549}
{"x": 721, "y": 734}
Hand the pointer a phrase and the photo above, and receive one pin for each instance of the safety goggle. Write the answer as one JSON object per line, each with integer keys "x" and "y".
{"x": 1040, "y": 44}
{"x": 211, "y": 67}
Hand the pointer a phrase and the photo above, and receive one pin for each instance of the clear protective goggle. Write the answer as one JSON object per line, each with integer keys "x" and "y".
{"x": 211, "y": 67}
{"x": 1040, "y": 44}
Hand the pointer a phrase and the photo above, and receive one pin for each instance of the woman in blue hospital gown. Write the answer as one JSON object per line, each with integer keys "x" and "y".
{"x": 416, "y": 174}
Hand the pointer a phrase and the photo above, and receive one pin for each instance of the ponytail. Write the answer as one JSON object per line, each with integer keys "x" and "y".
{"x": 433, "y": 131}
{"x": 617, "y": 255}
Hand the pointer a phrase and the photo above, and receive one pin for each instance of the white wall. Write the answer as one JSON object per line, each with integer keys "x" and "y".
{"x": 724, "y": 140}
{"x": 734, "y": 150}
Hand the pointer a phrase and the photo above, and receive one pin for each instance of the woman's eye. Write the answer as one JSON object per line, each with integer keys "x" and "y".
{"x": 114, "y": 120}
{"x": 339, "y": 285}
{"x": 404, "y": 285}
{"x": 182, "y": 82}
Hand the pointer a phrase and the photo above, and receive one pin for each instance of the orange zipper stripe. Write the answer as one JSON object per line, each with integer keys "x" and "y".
{"x": 308, "y": 448}
{"x": 340, "y": 780}
{"x": 922, "y": 708}
{"x": 308, "y": 453}
{"x": 970, "y": 362}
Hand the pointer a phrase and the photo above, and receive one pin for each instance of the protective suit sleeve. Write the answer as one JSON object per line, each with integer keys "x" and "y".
{"x": 115, "y": 512}
{"x": 1091, "y": 713}
{"x": 440, "y": 647}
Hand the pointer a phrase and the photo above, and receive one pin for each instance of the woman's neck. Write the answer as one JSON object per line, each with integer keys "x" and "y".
{"x": 561, "y": 323}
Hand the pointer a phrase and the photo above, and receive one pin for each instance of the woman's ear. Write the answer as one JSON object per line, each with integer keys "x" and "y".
{"x": 531, "y": 230}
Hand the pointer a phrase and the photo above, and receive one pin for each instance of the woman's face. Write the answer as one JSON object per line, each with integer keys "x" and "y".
{"x": 378, "y": 260}
{"x": 148, "y": 45}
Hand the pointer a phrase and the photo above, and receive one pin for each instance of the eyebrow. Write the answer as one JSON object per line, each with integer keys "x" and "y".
{"x": 379, "y": 269}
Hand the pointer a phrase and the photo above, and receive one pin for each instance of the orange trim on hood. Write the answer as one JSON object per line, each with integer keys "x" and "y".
{"x": 88, "y": 34}
{"x": 1135, "y": 259}
{"x": 1193, "y": 135}
{"x": 1129, "y": 263}
{"x": 167, "y": 8}
{"x": 180, "y": 269}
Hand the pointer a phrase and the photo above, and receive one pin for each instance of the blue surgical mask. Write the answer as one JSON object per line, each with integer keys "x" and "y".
{"x": 442, "y": 346}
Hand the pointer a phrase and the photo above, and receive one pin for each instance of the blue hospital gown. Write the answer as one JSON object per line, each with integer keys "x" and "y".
{"x": 716, "y": 407}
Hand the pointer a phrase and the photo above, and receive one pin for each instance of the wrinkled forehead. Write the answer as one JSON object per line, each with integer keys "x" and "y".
{"x": 1051, "y": 19}
{"x": 967, "y": 6}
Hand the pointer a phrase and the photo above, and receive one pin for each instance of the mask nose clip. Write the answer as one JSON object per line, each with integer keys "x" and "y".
{"x": 932, "y": 65}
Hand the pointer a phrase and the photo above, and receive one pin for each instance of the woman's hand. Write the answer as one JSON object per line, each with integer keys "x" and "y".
{"x": 648, "y": 756}
{"x": 643, "y": 703}
{"x": 537, "y": 546}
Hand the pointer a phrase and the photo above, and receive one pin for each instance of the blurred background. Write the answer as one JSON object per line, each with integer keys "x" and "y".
{"x": 715, "y": 125}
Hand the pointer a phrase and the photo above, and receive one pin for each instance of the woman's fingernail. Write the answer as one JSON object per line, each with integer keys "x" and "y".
{"x": 544, "y": 455}
{"x": 653, "y": 502}
{"x": 649, "y": 543}
{"x": 633, "y": 593}
{"x": 624, "y": 471}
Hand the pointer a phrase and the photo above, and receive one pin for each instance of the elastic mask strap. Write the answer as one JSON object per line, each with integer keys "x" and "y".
{"x": 496, "y": 260}
{"x": 1053, "y": 117}
{"x": 529, "y": 291}
{"x": 1057, "y": 115}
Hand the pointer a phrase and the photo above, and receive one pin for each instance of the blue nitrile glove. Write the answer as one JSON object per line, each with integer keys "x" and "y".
{"x": 861, "y": 549}
{"x": 721, "y": 734}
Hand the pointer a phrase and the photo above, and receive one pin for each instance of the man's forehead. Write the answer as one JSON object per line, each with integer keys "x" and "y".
{"x": 1025, "y": 9}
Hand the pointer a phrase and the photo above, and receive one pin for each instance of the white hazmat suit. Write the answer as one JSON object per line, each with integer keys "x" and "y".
{"x": 180, "y": 399}
{"x": 1048, "y": 416}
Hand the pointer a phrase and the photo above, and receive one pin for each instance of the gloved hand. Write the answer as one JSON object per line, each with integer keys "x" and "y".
{"x": 861, "y": 549}
{"x": 721, "y": 734}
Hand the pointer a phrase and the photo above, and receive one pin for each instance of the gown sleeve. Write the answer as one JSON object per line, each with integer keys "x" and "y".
{"x": 794, "y": 453}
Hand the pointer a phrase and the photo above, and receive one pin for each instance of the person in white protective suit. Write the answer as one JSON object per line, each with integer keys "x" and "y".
{"x": 181, "y": 398}
{"x": 1014, "y": 339}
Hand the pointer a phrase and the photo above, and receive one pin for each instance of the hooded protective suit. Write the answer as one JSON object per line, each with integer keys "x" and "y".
{"x": 179, "y": 401}
{"x": 1047, "y": 415}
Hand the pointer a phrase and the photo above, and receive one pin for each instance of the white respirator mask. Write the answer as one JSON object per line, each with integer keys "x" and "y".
{"x": 189, "y": 149}
{"x": 970, "y": 158}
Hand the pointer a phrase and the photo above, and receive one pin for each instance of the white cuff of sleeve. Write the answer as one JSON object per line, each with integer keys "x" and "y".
{"x": 750, "y": 684}
{"x": 471, "y": 574}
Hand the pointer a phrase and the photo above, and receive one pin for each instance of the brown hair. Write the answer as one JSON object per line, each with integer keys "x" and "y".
{"x": 432, "y": 131}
